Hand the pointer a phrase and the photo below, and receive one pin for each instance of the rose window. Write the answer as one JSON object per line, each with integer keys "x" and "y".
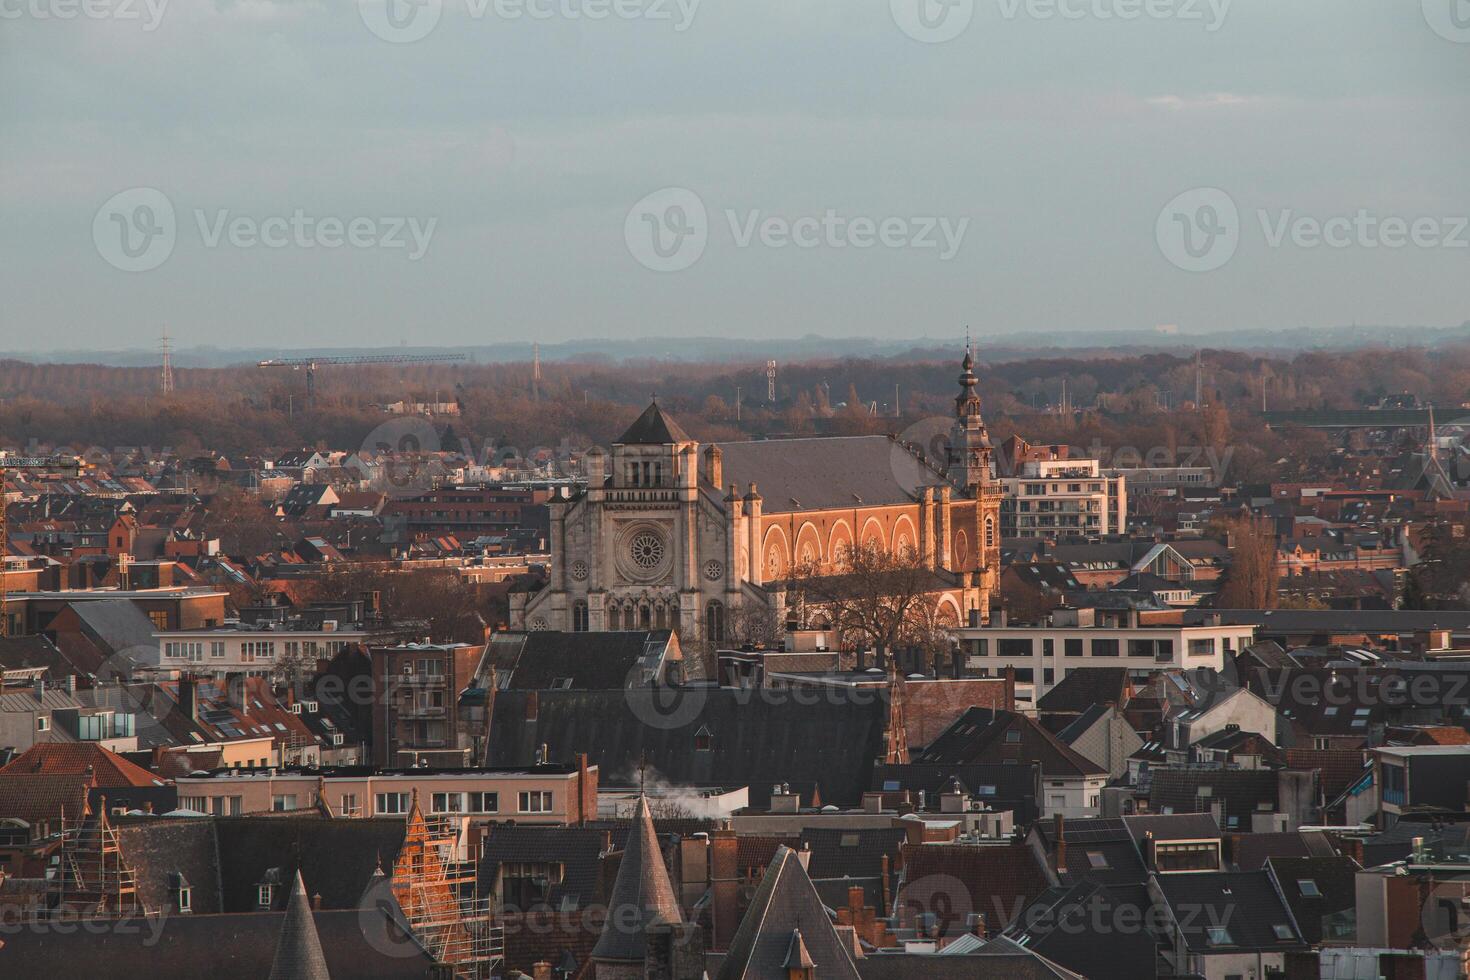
{"x": 647, "y": 550}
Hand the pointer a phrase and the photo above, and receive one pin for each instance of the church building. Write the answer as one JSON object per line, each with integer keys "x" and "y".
{"x": 671, "y": 536}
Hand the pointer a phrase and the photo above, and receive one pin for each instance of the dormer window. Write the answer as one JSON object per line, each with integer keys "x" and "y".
{"x": 704, "y": 740}
{"x": 186, "y": 899}
{"x": 263, "y": 894}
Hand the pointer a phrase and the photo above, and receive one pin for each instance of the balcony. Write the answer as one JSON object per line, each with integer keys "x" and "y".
{"x": 423, "y": 711}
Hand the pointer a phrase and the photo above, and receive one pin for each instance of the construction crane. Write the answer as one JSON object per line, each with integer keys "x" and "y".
{"x": 311, "y": 363}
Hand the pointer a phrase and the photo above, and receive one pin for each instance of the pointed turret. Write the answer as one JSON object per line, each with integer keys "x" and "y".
{"x": 642, "y": 895}
{"x": 968, "y": 464}
{"x": 299, "y": 949}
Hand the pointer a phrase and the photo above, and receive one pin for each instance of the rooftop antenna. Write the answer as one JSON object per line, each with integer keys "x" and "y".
{"x": 535, "y": 372}
{"x": 1199, "y": 380}
{"x": 166, "y": 347}
{"x": 770, "y": 381}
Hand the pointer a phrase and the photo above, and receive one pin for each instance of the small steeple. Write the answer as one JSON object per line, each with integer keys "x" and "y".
{"x": 642, "y": 895}
{"x": 299, "y": 950}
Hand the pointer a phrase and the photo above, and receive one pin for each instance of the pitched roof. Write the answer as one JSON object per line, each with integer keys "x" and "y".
{"x": 37, "y": 797}
{"x": 995, "y": 881}
{"x": 1077, "y": 928}
{"x": 1317, "y": 889}
{"x": 75, "y": 759}
{"x": 1081, "y": 689}
{"x": 1242, "y": 903}
{"x": 983, "y": 735}
{"x": 551, "y": 659}
{"x": 642, "y": 894}
{"x": 653, "y": 428}
{"x": 826, "y": 473}
{"x": 578, "y": 850}
{"x": 784, "y": 903}
{"x": 1242, "y": 791}
{"x": 299, "y": 950}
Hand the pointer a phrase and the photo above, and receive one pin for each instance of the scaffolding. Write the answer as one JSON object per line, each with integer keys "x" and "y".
{"x": 440, "y": 898}
{"x": 90, "y": 879}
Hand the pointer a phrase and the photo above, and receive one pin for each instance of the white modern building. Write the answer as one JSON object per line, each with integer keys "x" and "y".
{"x": 1076, "y": 639}
{"x": 253, "y": 650}
{"x": 1054, "y": 495}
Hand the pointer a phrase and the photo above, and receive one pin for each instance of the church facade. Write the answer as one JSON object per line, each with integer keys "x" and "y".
{"x": 669, "y": 535}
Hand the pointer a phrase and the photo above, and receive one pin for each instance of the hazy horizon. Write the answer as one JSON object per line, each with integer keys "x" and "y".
{"x": 1020, "y": 167}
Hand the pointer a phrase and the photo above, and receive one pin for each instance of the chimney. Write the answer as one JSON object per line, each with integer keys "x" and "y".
{"x": 39, "y": 689}
{"x": 188, "y": 697}
{"x": 873, "y": 802}
{"x": 71, "y": 684}
{"x": 785, "y": 801}
{"x": 1059, "y": 833}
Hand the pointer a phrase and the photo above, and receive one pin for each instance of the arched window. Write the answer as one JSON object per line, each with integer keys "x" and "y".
{"x": 579, "y": 616}
{"x": 990, "y": 532}
{"x": 614, "y": 618}
{"x": 658, "y": 618}
{"x": 714, "y": 621}
{"x": 645, "y": 617}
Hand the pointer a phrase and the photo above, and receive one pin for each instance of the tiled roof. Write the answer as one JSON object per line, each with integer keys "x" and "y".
{"x": 995, "y": 881}
{"x": 1243, "y": 903}
{"x": 982, "y": 735}
{"x": 852, "y": 853}
{"x": 39, "y": 798}
{"x": 1316, "y": 888}
{"x": 75, "y": 758}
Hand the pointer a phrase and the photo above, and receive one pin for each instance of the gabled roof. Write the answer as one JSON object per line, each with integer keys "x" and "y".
{"x": 784, "y": 903}
{"x": 997, "y": 881}
{"x": 1075, "y": 928}
{"x": 554, "y": 660}
{"x": 983, "y": 735}
{"x": 642, "y": 895}
{"x": 653, "y": 428}
{"x": 826, "y": 473}
{"x": 1242, "y": 903}
{"x": 578, "y": 850}
{"x": 75, "y": 759}
{"x": 1242, "y": 791}
{"x": 39, "y": 798}
{"x": 1081, "y": 689}
{"x": 1316, "y": 888}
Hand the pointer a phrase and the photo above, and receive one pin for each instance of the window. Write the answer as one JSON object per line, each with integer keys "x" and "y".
{"x": 263, "y": 896}
{"x": 195, "y": 803}
{"x": 1097, "y": 860}
{"x": 1048, "y": 675}
{"x": 1048, "y": 647}
{"x": 392, "y": 803}
{"x": 347, "y": 805}
{"x": 186, "y": 899}
{"x": 447, "y": 803}
{"x": 1013, "y": 737}
{"x": 1200, "y": 648}
{"x": 1283, "y": 932}
{"x": 1072, "y": 647}
{"x": 1218, "y": 936}
{"x": 714, "y": 621}
{"x": 704, "y": 740}
{"x": 43, "y": 723}
{"x": 159, "y": 618}
{"x": 1308, "y": 888}
{"x": 535, "y": 802}
{"x": 1013, "y": 647}
{"x": 282, "y": 802}
{"x": 579, "y": 616}
{"x": 216, "y": 649}
{"x": 980, "y": 648}
{"x": 1104, "y": 648}
{"x": 484, "y": 803}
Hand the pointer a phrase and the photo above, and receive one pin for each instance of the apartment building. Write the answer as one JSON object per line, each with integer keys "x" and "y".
{"x": 417, "y": 711}
{"x": 1051, "y": 493}
{"x": 255, "y": 650}
{"x": 470, "y": 798}
{"x": 1076, "y": 639}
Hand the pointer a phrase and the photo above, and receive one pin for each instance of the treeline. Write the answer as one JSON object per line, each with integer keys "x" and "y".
{"x": 1144, "y": 401}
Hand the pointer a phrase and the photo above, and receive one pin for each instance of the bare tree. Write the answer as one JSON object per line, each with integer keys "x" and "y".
{"x": 875, "y": 599}
{"x": 1250, "y": 581}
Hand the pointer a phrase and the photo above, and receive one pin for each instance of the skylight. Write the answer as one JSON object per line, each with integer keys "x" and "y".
{"x": 1308, "y": 888}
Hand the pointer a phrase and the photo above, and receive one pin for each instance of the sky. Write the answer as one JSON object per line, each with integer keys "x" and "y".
{"x": 257, "y": 173}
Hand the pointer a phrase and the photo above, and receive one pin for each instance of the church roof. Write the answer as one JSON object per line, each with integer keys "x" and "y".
{"x": 829, "y": 473}
{"x": 299, "y": 950}
{"x": 642, "y": 894}
{"x": 653, "y": 428}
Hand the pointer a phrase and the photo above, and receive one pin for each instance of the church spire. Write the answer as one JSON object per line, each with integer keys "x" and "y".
{"x": 969, "y": 442}
{"x": 642, "y": 895}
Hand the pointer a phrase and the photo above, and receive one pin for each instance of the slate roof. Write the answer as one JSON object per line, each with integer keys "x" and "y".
{"x": 578, "y": 849}
{"x": 827, "y": 473}
{"x": 754, "y": 741}
{"x": 1118, "y": 860}
{"x": 1176, "y": 826}
{"x": 159, "y": 849}
{"x": 642, "y": 895}
{"x": 1338, "y": 768}
{"x": 998, "y": 959}
{"x": 980, "y": 735}
{"x": 1251, "y": 851}
{"x": 337, "y": 858}
{"x": 1335, "y": 881}
{"x": 653, "y": 428}
{"x": 298, "y": 950}
{"x": 357, "y": 943}
{"x": 1243, "y": 792}
{"x": 998, "y": 785}
{"x": 40, "y": 798}
{"x": 1244, "y": 903}
{"x": 997, "y": 882}
{"x": 851, "y": 853}
{"x": 1074, "y": 927}
{"x": 117, "y": 624}
{"x": 589, "y": 661}
{"x": 785, "y": 903}
{"x": 1081, "y": 689}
